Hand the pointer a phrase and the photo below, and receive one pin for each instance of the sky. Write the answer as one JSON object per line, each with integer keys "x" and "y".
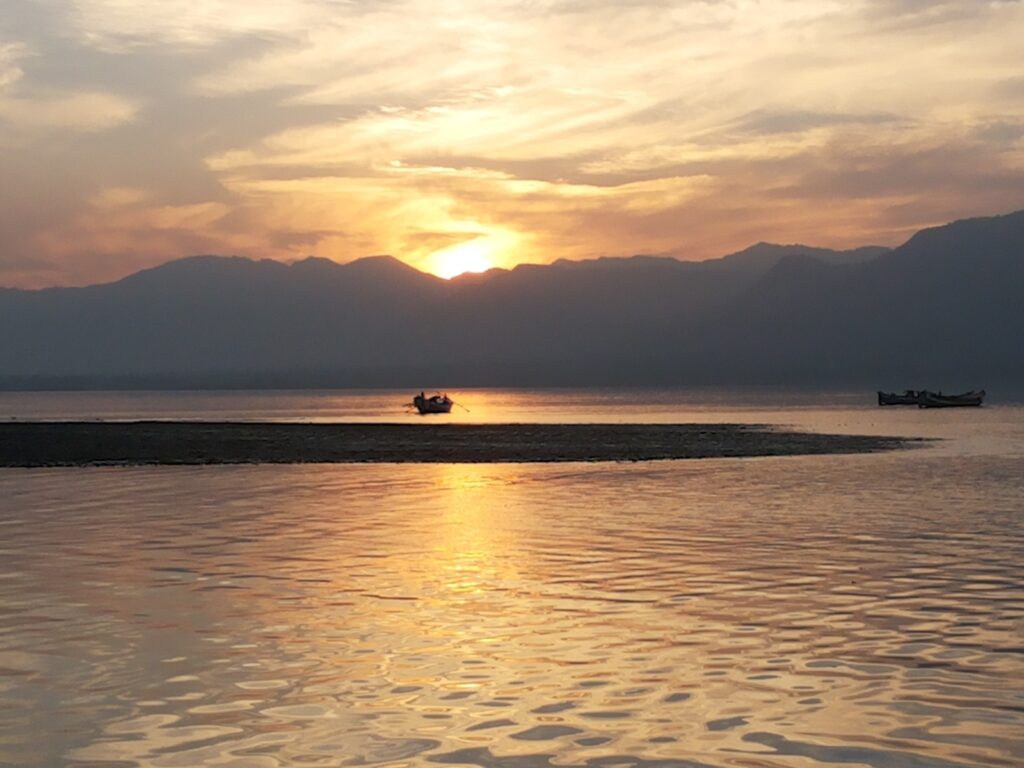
{"x": 464, "y": 135}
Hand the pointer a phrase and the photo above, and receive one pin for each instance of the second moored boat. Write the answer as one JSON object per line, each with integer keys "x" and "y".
{"x": 925, "y": 399}
{"x": 939, "y": 400}
{"x": 909, "y": 397}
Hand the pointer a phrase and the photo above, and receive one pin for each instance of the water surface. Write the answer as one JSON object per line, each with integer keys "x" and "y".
{"x": 802, "y": 611}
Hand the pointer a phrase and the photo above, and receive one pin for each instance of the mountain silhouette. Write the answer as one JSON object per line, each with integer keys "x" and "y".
{"x": 943, "y": 310}
{"x": 763, "y": 256}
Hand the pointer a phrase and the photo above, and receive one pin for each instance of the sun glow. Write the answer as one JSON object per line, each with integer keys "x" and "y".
{"x": 485, "y": 251}
{"x": 470, "y": 256}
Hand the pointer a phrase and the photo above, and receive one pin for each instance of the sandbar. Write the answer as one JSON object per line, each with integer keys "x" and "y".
{"x": 55, "y": 444}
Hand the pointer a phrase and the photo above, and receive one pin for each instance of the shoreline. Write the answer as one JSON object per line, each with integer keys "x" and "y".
{"x": 90, "y": 443}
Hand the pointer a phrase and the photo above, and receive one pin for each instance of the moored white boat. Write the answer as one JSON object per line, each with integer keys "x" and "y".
{"x": 938, "y": 400}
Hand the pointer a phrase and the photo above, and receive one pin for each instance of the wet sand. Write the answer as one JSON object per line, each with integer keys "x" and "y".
{"x": 48, "y": 444}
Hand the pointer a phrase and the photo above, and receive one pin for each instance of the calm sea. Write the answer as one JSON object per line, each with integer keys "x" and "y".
{"x": 757, "y": 613}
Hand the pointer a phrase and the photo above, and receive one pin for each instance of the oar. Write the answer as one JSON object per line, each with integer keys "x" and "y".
{"x": 462, "y": 407}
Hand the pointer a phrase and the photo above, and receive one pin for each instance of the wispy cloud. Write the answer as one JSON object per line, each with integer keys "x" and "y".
{"x": 25, "y": 111}
{"x": 549, "y": 129}
{"x": 76, "y": 111}
{"x": 123, "y": 25}
{"x": 767, "y": 121}
{"x": 10, "y": 71}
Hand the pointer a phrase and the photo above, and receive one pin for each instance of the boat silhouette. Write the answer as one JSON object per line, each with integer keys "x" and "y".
{"x": 923, "y": 398}
{"x": 434, "y": 404}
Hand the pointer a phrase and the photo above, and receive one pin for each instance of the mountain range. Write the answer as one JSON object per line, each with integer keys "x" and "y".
{"x": 943, "y": 310}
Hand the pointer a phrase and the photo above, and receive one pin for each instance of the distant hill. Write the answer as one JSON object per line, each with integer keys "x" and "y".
{"x": 764, "y": 256}
{"x": 944, "y": 310}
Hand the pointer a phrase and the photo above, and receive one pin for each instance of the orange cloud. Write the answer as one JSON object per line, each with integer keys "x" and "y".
{"x": 560, "y": 129}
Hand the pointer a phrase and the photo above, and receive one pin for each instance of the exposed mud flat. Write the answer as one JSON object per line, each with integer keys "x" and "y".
{"x": 43, "y": 444}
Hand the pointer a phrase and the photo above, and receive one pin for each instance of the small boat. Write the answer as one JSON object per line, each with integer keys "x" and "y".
{"x": 909, "y": 397}
{"x": 939, "y": 400}
{"x": 434, "y": 404}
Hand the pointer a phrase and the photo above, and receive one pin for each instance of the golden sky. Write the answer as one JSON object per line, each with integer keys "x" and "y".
{"x": 467, "y": 134}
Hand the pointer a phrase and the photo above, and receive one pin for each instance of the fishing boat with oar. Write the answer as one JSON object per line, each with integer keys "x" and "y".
{"x": 434, "y": 404}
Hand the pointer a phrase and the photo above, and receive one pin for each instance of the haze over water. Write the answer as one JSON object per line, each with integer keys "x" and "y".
{"x": 800, "y": 611}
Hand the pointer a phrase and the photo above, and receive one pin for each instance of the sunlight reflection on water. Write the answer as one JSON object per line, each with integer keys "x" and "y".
{"x": 566, "y": 405}
{"x": 862, "y": 610}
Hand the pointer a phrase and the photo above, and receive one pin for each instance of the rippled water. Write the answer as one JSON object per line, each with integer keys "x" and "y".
{"x": 864, "y": 610}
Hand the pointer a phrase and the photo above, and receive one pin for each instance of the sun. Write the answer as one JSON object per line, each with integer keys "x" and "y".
{"x": 476, "y": 255}
{"x": 485, "y": 248}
